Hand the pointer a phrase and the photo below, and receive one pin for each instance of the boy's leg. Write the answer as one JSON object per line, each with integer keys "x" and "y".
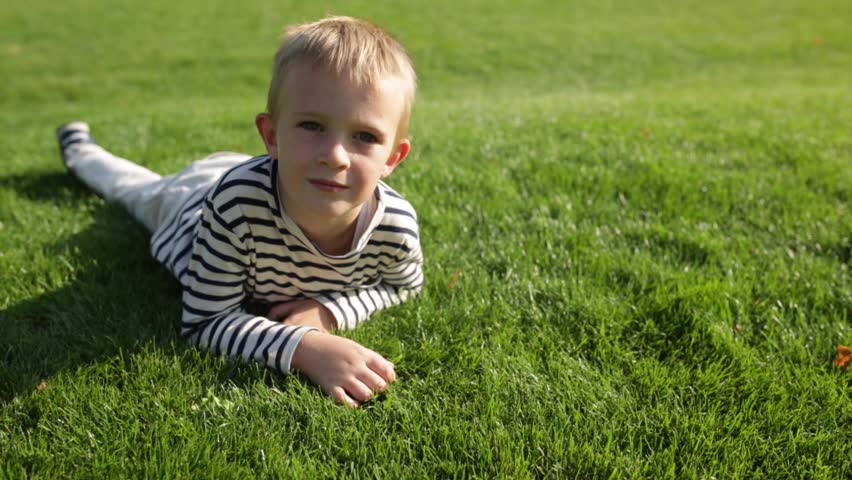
{"x": 178, "y": 189}
{"x": 152, "y": 199}
{"x": 113, "y": 178}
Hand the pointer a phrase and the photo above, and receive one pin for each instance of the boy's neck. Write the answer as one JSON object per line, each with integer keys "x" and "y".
{"x": 331, "y": 239}
{"x": 337, "y": 238}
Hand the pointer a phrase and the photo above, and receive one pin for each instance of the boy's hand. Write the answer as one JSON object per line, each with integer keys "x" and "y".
{"x": 307, "y": 313}
{"x": 348, "y": 372}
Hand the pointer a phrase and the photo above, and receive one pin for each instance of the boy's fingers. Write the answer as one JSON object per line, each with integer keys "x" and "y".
{"x": 284, "y": 310}
{"x": 341, "y": 398}
{"x": 373, "y": 381}
{"x": 280, "y": 311}
{"x": 382, "y": 367}
{"x": 358, "y": 391}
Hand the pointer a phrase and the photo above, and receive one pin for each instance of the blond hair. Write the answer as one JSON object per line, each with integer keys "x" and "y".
{"x": 360, "y": 50}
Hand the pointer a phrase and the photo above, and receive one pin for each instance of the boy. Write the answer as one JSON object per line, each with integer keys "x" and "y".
{"x": 308, "y": 228}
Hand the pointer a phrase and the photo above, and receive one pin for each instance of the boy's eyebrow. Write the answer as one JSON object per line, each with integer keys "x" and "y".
{"x": 360, "y": 122}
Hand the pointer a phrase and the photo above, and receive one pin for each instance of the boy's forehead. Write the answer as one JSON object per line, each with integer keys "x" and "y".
{"x": 305, "y": 78}
{"x": 304, "y": 72}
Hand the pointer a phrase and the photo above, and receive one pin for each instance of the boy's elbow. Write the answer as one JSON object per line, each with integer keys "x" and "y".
{"x": 191, "y": 327}
{"x": 190, "y": 333}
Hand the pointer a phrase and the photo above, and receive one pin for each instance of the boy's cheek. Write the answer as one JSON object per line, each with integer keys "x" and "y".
{"x": 297, "y": 153}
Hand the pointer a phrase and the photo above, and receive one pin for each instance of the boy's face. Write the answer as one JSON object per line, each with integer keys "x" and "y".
{"x": 333, "y": 140}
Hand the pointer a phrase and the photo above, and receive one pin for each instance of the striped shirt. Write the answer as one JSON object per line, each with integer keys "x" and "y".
{"x": 233, "y": 244}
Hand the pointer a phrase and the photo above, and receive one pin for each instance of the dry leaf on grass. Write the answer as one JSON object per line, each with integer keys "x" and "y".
{"x": 844, "y": 357}
{"x": 455, "y": 279}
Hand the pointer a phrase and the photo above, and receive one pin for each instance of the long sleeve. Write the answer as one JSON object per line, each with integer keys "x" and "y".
{"x": 232, "y": 244}
{"x": 401, "y": 280}
{"x": 215, "y": 285}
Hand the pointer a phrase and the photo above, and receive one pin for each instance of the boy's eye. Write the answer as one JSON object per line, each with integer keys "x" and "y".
{"x": 366, "y": 137}
{"x": 310, "y": 126}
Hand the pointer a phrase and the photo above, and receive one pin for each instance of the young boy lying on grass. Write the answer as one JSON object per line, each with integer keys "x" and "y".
{"x": 308, "y": 228}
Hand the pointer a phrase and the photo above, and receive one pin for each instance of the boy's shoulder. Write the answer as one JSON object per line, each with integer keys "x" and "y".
{"x": 249, "y": 182}
{"x": 253, "y": 172}
{"x": 397, "y": 208}
{"x": 399, "y": 219}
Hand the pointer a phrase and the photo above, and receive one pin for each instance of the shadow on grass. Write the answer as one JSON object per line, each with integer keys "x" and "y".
{"x": 118, "y": 301}
{"x": 116, "y": 298}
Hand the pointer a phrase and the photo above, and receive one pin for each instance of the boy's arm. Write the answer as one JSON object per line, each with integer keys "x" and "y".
{"x": 306, "y": 312}
{"x": 400, "y": 281}
{"x": 213, "y": 313}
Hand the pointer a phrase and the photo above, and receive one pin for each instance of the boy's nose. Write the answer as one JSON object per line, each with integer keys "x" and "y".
{"x": 336, "y": 156}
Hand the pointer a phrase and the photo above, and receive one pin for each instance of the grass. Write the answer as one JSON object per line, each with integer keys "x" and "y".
{"x": 635, "y": 217}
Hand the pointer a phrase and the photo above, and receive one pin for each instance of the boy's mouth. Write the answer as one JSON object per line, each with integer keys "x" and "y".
{"x": 327, "y": 185}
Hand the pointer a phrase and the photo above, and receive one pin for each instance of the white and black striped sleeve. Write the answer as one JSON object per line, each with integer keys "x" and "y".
{"x": 399, "y": 282}
{"x": 214, "y": 292}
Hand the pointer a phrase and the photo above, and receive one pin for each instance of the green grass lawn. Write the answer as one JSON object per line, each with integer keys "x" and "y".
{"x": 635, "y": 217}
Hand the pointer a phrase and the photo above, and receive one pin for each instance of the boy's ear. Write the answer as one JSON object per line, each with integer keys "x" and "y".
{"x": 266, "y": 129}
{"x": 398, "y": 155}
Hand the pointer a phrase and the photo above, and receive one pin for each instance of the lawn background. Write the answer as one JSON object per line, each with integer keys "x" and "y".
{"x": 634, "y": 214}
